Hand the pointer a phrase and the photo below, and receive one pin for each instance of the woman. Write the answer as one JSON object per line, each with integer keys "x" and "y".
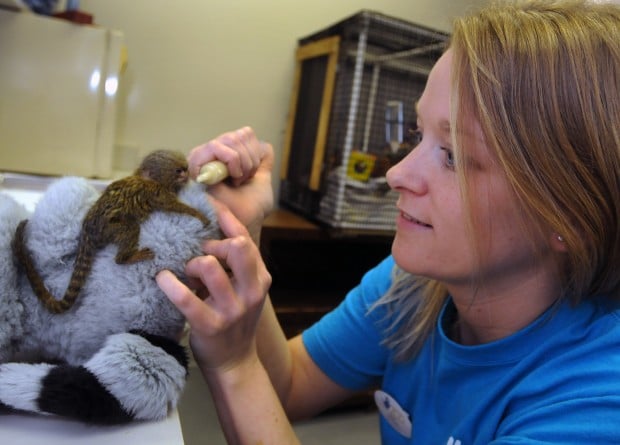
{"x": 495, "y": 319}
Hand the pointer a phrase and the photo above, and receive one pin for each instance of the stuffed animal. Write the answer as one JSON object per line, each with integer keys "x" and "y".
{"x": 115, "y": 355}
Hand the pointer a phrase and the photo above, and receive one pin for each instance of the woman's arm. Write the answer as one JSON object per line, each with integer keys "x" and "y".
{"x": 223, "y": 318}
{"x": 223, "y": 340}
{"x": 302, "y": 387}
{"x": 236, "y": 339}
{"x": 248, "y": 408}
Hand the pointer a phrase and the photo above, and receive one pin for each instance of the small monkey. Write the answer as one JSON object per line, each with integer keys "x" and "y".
{"x": 115, "y": 218}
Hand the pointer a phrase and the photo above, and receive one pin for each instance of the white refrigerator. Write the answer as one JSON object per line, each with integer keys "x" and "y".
{"x": 58, "y": 94}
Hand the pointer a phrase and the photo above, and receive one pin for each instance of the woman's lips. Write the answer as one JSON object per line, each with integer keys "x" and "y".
{"x": 410, "y": 218}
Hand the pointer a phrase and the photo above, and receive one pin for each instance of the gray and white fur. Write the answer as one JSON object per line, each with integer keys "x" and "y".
{"x": 119, "y": 341}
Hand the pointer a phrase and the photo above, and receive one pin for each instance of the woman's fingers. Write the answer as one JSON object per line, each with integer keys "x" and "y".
{"x": 236, "y": 281}
{"x": 245, "y": 277}
{"x": 182, "y": 297}
{"x": 240, "y": 150}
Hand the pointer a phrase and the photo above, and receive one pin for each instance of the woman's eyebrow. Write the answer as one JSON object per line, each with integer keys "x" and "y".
{"x": 444, "y": 124}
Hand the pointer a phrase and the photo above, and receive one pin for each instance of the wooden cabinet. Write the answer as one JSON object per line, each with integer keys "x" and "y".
{"x": 313, "y": 267}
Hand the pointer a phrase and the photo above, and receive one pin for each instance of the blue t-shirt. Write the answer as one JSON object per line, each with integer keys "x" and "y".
{"x": 555, "y": 381}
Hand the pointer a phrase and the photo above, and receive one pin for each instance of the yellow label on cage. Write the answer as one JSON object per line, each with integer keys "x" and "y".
{"x": 360, "y": 165}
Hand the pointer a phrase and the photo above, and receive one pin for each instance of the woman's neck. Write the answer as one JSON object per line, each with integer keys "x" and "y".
{"x": 486, "y": 314}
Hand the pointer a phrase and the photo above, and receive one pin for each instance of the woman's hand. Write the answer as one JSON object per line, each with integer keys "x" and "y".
{"x": 248, "y": 192}
{"x": 232, "y": 283}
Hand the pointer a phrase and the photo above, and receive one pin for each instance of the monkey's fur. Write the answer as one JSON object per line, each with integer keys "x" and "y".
{"x": 115, "y": 218}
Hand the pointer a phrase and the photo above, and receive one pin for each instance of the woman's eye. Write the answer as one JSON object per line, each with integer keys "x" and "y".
{"x": 449, "y": 157}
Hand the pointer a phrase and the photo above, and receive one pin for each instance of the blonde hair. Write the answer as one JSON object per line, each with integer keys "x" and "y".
{"x": 542, "y": 80}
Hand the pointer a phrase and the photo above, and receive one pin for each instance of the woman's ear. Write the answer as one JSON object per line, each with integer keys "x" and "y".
{"x": 557, "y": 243}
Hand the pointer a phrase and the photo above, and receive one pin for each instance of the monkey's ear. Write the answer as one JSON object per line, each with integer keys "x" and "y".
{"x": 144, "y": 172}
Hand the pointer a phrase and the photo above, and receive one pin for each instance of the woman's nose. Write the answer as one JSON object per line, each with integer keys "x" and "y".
{"x": 410, "y": 173}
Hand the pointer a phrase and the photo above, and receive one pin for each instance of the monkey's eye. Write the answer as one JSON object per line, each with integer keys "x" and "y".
{"x": 180, "y": 170}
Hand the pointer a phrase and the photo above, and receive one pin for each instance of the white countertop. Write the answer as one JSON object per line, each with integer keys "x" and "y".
{"x": 35, "y": 430}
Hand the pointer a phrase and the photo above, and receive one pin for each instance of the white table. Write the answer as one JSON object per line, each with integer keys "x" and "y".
{"x": 36, "y": 430}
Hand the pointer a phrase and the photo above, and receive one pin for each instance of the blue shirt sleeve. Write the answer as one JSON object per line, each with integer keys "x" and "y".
{"x": 346, "y": 343}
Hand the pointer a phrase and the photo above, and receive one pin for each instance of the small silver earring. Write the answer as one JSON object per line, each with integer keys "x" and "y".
{"x": 560, "y": 239}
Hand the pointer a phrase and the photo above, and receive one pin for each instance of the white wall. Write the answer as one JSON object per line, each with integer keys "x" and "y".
{"x": 197, "y": 68}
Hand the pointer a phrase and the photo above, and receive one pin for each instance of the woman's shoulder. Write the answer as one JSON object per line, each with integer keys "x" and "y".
{"x": 569, "y": 377}
{"x": 585, "y": 346}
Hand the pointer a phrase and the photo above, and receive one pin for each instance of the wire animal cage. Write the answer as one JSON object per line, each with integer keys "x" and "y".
{"x": 351, "y": 115}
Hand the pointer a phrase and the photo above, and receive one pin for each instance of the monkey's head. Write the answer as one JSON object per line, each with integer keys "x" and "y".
{"x": 167, "y": 167}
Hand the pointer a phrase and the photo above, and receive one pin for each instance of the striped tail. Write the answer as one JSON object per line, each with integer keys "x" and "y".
{"x": 81, "y": 269}
{"x": 135, "y": 376}
{"x": 83, "y": 264}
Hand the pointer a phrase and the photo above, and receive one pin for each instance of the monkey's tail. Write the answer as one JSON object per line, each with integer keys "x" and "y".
{"x": 81, "y": 269}
{"x": 24, "y": 257}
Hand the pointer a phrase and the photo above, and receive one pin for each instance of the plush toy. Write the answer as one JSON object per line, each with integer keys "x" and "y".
{"x": 115, "y": 355}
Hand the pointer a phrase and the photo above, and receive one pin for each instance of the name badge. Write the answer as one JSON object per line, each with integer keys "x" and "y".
{"x": 393, "y": 413}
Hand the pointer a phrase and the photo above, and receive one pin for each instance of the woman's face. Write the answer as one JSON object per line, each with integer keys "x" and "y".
{"x": 432, "y": 236}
